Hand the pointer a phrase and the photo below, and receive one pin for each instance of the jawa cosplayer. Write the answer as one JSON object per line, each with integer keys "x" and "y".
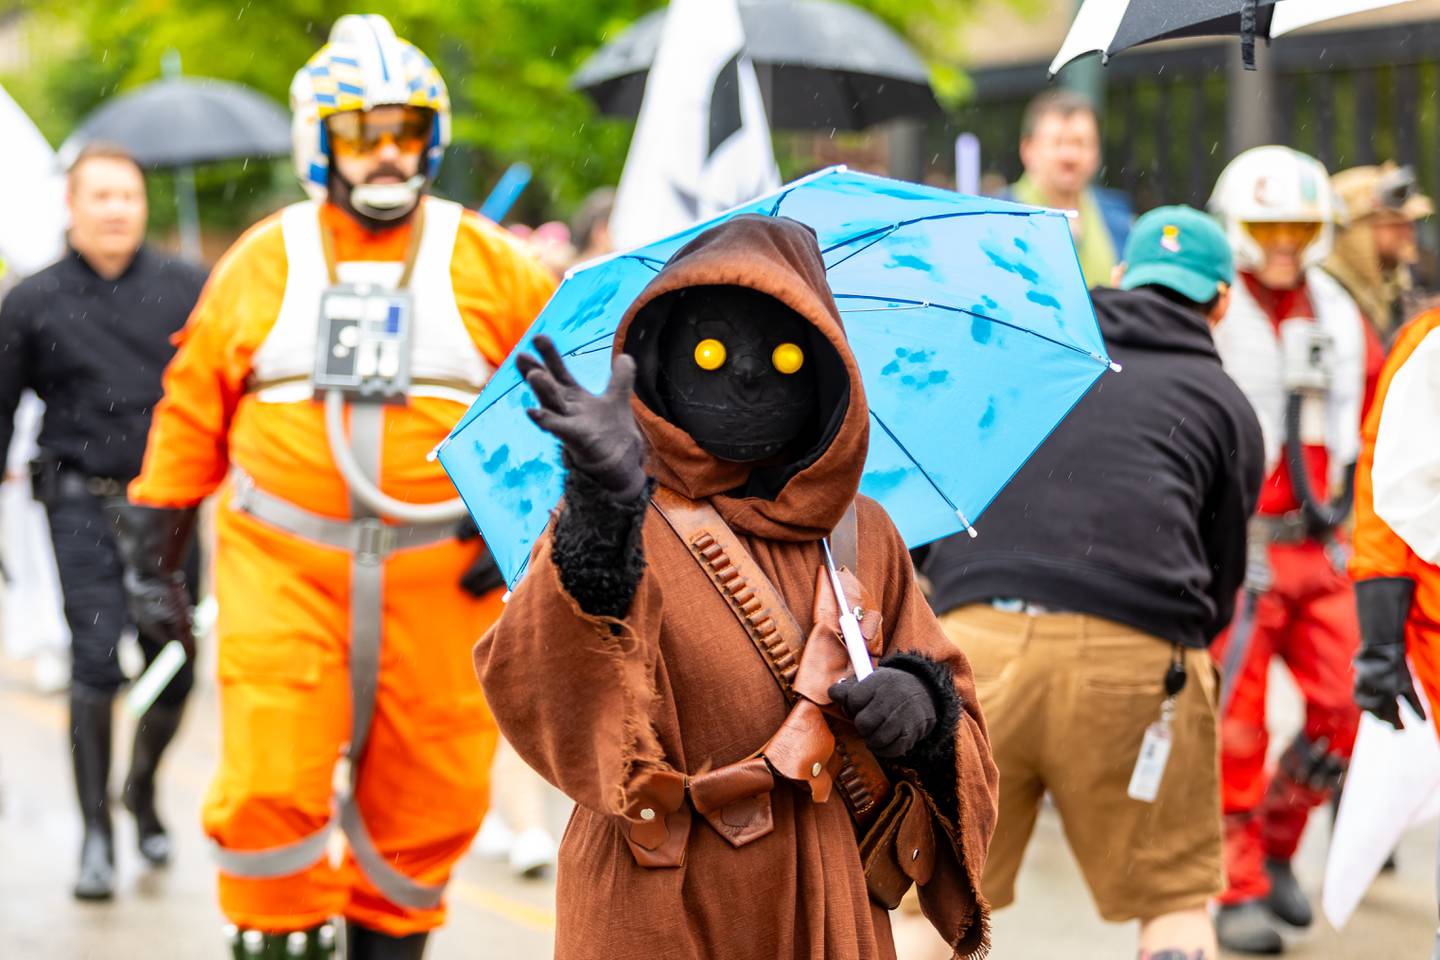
{"x": 673, "y": 659}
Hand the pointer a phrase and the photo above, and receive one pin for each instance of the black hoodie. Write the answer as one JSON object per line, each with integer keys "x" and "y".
{"x": 1135, "y": 508}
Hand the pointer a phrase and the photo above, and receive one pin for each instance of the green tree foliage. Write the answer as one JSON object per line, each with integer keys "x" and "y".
{"x": 507, "y": 63}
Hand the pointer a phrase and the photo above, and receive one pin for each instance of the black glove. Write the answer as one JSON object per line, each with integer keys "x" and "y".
{"x": 892, "y": 709}
{"x": 153, "y": 544}
{"x": 483, "y": 575}
{"x": 1382, "y": 677}
{"x": 599, "y": 434}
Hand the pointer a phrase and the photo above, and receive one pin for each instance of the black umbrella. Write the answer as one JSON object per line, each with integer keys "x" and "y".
{"x": 1110, "y": 26}
{"x": 180, "y": 122}
{"x": 186, "y": 121}
{"x": 820, "y": 64}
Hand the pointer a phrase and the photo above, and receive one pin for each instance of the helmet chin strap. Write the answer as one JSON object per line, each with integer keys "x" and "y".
{"x": 387, "y": 201}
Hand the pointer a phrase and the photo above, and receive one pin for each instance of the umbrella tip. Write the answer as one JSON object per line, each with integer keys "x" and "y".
{"x": 965, "y": 522}
{"x": 434, "y": 453}
{"x": 505, "y": 598}
{"x": 1115, "y": 367}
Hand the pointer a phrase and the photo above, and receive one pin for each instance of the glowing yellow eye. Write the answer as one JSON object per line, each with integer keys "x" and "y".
{"x": 788, "y": 358}
{"x": 709, "y": 354}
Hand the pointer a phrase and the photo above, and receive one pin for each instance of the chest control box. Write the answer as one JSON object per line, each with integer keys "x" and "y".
{"x": 363, "y": 346}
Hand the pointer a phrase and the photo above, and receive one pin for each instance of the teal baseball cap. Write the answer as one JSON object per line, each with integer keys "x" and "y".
{"x": 1180, "y": 248}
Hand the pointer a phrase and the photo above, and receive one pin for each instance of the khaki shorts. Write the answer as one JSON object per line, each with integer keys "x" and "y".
{"x": 1067, "y": 699}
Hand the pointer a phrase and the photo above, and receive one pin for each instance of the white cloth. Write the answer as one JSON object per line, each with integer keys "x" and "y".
{"x": 1406, "y": 474}
{"x": 32, "y": 194}
{"x": 1392, "y": 785}
{"x": 702, "y": 142}
{"x": 34, "y": 617}
{"x": 1250, "y": 349}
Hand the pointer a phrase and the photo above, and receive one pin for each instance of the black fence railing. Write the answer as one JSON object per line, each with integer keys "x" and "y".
{"x": 1352, "y": 98}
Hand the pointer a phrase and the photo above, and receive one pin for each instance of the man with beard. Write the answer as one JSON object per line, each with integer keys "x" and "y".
{"x": 672, "y": 658}
{"x": 335, "y": 346}
{"x": 1375, "y": 246}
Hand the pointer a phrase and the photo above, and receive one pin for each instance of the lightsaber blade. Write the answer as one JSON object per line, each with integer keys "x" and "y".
{"x": 849, "y": 626}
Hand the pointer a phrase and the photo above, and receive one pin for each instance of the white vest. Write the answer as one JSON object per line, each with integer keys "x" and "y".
{"x": 444, "y": 361}
{"x": 1250, "y": 349}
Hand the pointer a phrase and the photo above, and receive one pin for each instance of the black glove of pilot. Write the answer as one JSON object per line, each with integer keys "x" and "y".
{"x": 153, "y": 543}
{"x": 1382, "y": 677}
{"x": 598, "y": 432}
{"x": 483, "y": 575}
{"x": 892, "y": 709}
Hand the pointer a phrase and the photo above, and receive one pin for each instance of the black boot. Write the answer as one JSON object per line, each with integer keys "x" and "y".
{"x": 90, "y": 722}
{"x": 316, "y": 943}
{"x": 152, "y": 735}
{"x": 1287, "y": 901}
{"x": 1247, "y": 928}
{"x": 362, "y": 943}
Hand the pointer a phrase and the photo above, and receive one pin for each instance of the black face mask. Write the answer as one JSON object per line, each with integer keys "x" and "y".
{"x": 736, "y": 374}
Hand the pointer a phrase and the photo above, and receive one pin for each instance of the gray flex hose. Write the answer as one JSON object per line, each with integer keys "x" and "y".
{"x": 447, "y": 511}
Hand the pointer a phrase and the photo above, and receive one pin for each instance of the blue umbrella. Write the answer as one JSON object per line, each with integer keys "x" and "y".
{"x": 968, "y": 317}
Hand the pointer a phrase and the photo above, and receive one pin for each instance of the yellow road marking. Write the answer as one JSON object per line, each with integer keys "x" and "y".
{"x": 516, "y": 911}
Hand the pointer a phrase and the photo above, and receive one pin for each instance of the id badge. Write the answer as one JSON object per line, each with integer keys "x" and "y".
{"x": 1154, "y": 753}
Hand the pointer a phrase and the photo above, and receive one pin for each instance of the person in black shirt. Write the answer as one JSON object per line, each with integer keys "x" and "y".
{"x": 1099, "y": 576}
{"x": 91, "y": 335}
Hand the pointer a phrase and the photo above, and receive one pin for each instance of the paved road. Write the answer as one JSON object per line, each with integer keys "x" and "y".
{"x": 172, "y": 913}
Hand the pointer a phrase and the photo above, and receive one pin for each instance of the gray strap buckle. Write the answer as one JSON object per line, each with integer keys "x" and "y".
{"x": 374, "y": 541}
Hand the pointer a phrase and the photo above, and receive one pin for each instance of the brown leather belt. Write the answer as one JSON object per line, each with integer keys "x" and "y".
{"x": 817, "y": 745}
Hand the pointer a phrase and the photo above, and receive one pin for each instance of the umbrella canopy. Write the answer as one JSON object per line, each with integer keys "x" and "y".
{"x": 1110, "y": 26}
{"x": 186, "y": 121}
{"x": 820, "y": 64}
{"x": 969, "y": 320}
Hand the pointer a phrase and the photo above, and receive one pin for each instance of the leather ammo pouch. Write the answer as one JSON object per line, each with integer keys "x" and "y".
{"x": 817, "y": 745}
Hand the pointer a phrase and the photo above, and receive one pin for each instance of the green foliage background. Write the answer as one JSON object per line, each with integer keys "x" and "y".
{"x": 507, "y": 63}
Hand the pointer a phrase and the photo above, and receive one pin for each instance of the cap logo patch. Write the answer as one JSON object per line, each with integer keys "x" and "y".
{"x": 1170, "y": 238}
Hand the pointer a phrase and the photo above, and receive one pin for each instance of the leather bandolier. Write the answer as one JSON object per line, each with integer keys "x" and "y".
{"x": 816, "y": 746}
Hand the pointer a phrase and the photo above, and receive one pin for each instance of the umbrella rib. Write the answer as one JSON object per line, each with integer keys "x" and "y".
{"x": 971, "y": 313}
{"x": 859, "y": 250}
{"x": 892, "y": 227}
{"x": 960, "y": 514}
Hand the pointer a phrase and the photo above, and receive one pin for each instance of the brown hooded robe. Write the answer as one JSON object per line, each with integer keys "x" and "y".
{"x": 597, "y": 705}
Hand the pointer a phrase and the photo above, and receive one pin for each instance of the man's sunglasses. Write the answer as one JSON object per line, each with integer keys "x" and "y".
{"x": 360, "y": 132}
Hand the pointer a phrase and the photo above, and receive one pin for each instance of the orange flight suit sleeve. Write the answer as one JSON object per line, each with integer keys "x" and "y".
{"x": 1378, "y": 552}
{"x": 499, "y": 286}
{"x": 187, "y": 453}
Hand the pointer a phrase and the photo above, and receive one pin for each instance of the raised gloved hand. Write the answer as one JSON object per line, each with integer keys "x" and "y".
{"x": 599, "y": 434}
{"x": 153, "y": 543}
{"x": 892, "y": 709}
{"x": 483, "y": 575}
{"x": 1382, "y": 677}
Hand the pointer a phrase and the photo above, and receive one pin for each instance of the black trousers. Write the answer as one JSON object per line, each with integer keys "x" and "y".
{"x": 88, "y": 558}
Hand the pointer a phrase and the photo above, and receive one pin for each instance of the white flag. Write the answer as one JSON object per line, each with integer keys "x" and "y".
{"x": 32, "y": 194}
{"x": 702, "y": 143}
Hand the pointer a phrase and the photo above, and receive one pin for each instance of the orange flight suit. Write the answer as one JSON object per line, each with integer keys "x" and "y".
{"x": 284, "y": 623}
{"x": 1378, "y": 551}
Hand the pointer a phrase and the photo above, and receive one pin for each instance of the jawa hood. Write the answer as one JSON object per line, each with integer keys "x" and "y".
{"x": 803, "y": 495}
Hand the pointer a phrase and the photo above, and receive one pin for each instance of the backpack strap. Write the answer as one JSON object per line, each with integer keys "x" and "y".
{"x": 845, "y": 541}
